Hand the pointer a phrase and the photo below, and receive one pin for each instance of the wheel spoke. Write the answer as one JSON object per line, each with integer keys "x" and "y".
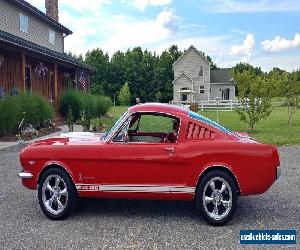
{"x": 49, "y": 202}
{"x": 63, "y": 192}
{"x": 208, "y": 199}
{"x": 60, "y": 205}
{"x": 225, "y": 203}
{"x": 48, "y": 186}
{"x": 212, "y": 186}
{"x": 216, "y": 210}
{"x": 223, "y": 188}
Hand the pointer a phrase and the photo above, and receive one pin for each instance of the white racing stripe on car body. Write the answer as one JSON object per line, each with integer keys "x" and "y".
{"x": 134, "y": 188}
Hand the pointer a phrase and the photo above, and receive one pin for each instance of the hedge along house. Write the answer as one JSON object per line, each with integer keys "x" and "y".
{"x": 32, "y": 54}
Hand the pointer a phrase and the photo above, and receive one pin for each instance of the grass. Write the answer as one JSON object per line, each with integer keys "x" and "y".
{"x": 273, "y": 130}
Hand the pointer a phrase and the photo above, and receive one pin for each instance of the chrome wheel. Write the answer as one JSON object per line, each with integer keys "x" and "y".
{"x": 217, "y": 198}
{"x": 55, "y": 194}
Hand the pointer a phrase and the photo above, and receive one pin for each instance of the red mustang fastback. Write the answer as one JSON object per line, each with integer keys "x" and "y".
{"x": 154, "y": 151}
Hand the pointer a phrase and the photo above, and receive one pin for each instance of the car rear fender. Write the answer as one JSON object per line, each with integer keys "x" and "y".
{"x": 219, "y": 166}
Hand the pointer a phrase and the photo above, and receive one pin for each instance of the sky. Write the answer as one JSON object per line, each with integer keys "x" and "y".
{"x": 265, "y": 33}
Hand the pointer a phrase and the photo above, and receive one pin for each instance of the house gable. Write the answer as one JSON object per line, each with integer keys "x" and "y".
{"x": 191, "y": 62}
{"x": 184, "y": 76}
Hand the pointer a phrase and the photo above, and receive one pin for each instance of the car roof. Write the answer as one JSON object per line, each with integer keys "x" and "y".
{"x": 159, "y": 107}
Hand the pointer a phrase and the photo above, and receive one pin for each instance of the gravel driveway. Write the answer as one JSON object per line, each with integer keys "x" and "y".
{"x": 141, "y": 224}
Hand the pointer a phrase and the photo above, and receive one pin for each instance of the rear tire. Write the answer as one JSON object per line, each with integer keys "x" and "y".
{"x": 57, "y": 194}
{"x": 216, "y": 197}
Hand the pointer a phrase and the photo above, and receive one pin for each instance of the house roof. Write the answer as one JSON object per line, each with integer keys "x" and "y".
{"x": 194, "y": 48}
{"x": 183, "y": 74}
{"x": 24, "y": 5}
{"x": 22, "y": 43}
{"x": 221, "y": 76}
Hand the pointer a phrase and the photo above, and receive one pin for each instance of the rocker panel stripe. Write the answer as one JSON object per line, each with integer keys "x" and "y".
{"x": 134, "y": 188}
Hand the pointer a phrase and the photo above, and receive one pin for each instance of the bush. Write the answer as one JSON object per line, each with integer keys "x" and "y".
{"x": 103, "y": 103}
{"x": 84, "y": 106}
{"x": 9, "y": 115}
{"x": 35, "y": 109}
{"x": 73, "y": 100}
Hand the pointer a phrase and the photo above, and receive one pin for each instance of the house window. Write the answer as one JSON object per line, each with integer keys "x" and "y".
{"x": 201, "y": 89}
{"x": 23, "y": 23}
{"x": 52, "y": 37}
{"x": 201, "y": 72}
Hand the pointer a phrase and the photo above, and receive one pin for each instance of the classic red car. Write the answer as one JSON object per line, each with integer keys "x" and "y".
{"x": 154, "y": 151}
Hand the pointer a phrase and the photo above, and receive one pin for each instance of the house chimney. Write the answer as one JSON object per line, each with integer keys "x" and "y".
{"x": 52, "y": 9}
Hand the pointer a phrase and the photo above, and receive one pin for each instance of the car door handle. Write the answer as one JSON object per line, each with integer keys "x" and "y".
{"x": 171, "y": 150}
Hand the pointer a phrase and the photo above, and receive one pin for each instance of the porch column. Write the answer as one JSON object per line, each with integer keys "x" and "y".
{"x": 55, "y": 85}
{"x": 23, "y": 65}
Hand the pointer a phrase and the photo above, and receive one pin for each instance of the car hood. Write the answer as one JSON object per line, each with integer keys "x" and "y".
{"x": 71, "y": 138}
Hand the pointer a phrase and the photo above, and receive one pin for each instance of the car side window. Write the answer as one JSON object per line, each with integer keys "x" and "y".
{"x": 155, "y": 123}
{"x": 153, "y": 128}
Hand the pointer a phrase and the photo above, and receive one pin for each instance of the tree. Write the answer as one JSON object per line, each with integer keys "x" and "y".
{"x": 287, "y": 85}
{"x": 148, "y": 75}
{"x": 100, "y": 61}
{"x": 124, "y": 96}
{"x": 212, "y": 64}
{"x": 254, "y": 96}
{"x": 241, "y": 67}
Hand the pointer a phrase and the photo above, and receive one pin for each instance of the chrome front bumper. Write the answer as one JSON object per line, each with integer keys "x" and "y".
{"x": 25, "y": 175}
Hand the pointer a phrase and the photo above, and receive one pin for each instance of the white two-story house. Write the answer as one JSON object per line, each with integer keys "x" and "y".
{"x": 194, "y": 81}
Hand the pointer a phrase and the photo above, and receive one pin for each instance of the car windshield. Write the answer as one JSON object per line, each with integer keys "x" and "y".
{"x": 209, "y": 122}
{"x": 116, "y": 124}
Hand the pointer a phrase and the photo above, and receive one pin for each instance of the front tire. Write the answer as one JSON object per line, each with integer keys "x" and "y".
{"x": 216, "y": 197}
{"x": 56, "y": 193}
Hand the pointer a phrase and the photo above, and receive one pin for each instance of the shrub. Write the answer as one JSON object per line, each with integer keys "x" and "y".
{"x": 103, "y": 103}
{"x": 9, "y": 115}
{"x": 73, "y": 100}
{"x": 84, "y": 106}
{"x": 35, "y": 109}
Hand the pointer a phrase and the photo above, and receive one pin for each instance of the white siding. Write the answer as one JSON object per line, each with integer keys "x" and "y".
{"x": 182, "y": 82}
{"x": 216, "y": 91}
{"x": 190, "y": 64}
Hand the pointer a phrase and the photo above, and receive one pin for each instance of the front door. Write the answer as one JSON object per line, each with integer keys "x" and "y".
{"x": 225, "y": 94}
{"x": 143, "y": 158}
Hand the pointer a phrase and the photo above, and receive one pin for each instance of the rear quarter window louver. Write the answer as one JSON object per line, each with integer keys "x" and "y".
{"x": 196, "y": 132}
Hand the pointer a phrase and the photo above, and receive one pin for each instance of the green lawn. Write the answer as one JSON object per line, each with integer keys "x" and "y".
{"x": 273, "y": 130}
